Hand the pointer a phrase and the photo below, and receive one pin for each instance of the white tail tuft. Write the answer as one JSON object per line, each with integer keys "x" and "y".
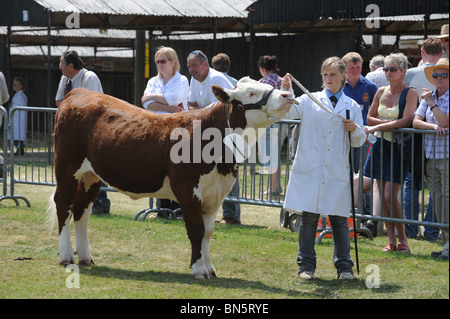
{"x": 51, "y": 216}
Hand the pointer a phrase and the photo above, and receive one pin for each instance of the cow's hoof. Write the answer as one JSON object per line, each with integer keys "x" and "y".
{"x": 67, "y": 262}
{"x": 87, "y": 262}
{"x": 205, "y": 276}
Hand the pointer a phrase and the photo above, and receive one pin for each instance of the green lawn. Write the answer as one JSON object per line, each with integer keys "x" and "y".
{"x": 150, "y": 259}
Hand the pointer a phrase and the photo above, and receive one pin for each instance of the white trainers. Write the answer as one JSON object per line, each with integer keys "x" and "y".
{"x": 346, "y": 276}
{"x": 308, "y": 275}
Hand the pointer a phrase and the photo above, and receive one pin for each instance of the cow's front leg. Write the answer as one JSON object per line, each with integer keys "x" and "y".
{"x": 208, "y": 221}
{"x": 192, "y": 215}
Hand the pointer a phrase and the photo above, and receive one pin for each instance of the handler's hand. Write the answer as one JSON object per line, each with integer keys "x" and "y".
{"x": 349, "y": 125}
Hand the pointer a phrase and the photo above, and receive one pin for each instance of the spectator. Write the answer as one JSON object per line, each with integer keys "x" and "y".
{"x": 200, "y": 95}
{"x": 221, "y": 62}
{"x": 444, "y": 40}
{"x": 268, "y": 68}
{"x": 384, "y": 115}
{"x": 376, "y": 74}
{"x": 20, "y": 117}
{"x": 203, "y": 77}
{"x": 75, "y": 76}
{"x": 432, "y": 114}
{"x": 167, "y": 92}
{"x": 431, "y": 52}
{"x": 4, "y": 97}
{"x": 319, "y": 182}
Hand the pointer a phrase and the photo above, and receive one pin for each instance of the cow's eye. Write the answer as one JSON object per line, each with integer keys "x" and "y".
{"x": 251, "y": 94}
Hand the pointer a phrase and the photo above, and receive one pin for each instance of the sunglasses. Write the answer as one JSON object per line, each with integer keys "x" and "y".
{"x": 392, "y": 69}
{"x": 442, "y": 75}
{"x": 198, "y": 52}
{"x": 162, "y": 61}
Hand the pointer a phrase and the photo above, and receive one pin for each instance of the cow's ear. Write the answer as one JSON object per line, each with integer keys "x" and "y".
{"x": 220, "y": 94}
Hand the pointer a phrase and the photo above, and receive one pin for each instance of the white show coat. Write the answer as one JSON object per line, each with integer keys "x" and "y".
{"x": 320, "y": 178}
{"x": 20, "y": 117}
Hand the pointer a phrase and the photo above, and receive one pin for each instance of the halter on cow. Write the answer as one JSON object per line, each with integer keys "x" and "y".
{"x": 99, "y": 138}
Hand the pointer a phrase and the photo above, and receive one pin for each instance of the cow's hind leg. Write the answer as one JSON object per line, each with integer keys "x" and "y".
{"x": 87, "y": 192}
{"x": 64, "y": 198}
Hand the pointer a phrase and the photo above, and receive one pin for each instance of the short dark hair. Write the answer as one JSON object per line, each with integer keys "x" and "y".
{"x": 432, "y": 46}
{"x": 21, "y": 81}
{"x": 71, "y": 56}
{"x": 269, "y": 62}
{"x": 221, "y": 62}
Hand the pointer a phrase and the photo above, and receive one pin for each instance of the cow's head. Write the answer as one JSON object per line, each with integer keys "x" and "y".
{"x": 262, "y": 103}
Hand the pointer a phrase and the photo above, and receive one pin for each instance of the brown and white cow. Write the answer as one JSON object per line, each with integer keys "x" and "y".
{"x": 99, "y": 138}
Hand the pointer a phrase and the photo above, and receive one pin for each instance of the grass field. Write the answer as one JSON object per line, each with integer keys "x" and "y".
{"x": 150, "y": 259}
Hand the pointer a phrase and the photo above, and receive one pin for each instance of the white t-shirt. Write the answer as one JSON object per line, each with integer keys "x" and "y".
{"x": 84, "y": 78}
{"x": 416, "y": 78}
{"x": 378, "y": 77}
{"x": 201, "y": 93}
{"x": 175, "y": 91}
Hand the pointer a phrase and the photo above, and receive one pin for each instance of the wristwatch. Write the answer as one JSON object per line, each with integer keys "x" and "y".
{"x": 432, "y": 107}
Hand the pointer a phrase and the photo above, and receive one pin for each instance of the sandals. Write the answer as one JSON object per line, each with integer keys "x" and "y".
{"x": 403, "y": 248}
{"x": 389, "y": 247}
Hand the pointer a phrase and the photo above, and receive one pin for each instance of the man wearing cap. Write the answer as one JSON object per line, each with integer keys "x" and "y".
{"x": 444, "y": 39}
{"x": 432, "y": 114}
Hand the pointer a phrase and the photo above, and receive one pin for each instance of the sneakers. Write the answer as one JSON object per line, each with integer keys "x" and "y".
{"x": 307, "y": 275}
{"x": 442, "y": 255}
{"x": 346, "y": 275}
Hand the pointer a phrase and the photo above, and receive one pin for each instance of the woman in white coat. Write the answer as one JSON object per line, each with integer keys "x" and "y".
{"x": 320, "y": 179}
{"x": 20, "y": 117}
{"x": 167, "y": 92}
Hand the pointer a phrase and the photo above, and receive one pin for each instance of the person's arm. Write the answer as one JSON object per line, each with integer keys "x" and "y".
{"x": 440, "y": 116}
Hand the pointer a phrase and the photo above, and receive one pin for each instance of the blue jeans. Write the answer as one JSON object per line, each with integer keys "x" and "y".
{"x": 430, "y": 233}
{"x": 230, "y": 209}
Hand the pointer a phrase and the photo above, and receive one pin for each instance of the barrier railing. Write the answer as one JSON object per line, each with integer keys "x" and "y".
{"x": 35, "y": 167}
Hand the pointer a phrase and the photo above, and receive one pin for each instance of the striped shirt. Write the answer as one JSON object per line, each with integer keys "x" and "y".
{"x": 424, "y": 111}
{"x": 272, "y": 79}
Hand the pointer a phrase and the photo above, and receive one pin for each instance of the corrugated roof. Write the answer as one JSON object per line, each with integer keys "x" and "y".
{"x": 177, "y": 8}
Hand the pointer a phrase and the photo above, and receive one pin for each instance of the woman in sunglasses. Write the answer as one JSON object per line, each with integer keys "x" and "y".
{"x": 432, "y": 114}
{"x": 385, "y": 115}
{"x": 168, "y": 91}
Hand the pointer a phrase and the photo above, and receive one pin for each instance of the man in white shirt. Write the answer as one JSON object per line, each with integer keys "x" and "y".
{"x": 200, "y": 95}
{"x": 376, "y": 74}
{"x": 75, "y": 76}
{"x": 4, "y": 97}
{"x": 203, "y": 77}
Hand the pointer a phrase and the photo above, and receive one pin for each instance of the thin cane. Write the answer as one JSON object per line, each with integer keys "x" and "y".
{"x": 347, "y": 112}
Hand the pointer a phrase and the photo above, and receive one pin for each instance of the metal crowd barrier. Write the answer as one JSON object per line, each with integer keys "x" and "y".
{"x": 36, "y": 167}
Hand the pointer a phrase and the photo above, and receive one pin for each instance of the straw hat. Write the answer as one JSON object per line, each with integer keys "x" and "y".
{"x": 444, "y": 32}
{"x": 441, "y": 64}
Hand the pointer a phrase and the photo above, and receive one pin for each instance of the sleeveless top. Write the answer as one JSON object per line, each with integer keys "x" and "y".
{"x": 386, "y": 113}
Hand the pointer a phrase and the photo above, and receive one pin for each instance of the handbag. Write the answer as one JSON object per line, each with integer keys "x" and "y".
{"x": 410, "y": 160}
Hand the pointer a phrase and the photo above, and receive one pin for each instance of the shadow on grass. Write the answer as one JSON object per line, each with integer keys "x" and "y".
{"x": 317, "y": 288}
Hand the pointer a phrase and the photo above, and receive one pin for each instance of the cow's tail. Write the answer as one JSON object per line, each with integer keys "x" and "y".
{"x": 51, "y": 220}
